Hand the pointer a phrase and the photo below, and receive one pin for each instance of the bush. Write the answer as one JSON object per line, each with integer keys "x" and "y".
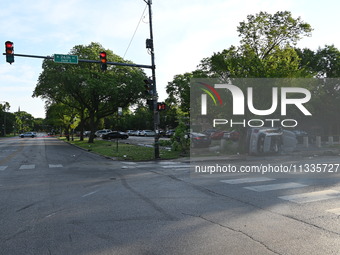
{"x": 179, "y": 140}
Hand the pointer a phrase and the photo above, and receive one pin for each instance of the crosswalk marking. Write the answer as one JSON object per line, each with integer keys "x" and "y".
{"x": 2, "y": 168}
{"x": 176, "y": 166}
{"x": 312, "y": 196}
{"x": 335, "y": 211}
{"x": 247, "y": 180}
{"x": 278, "y": 186}
{"x": 130, "y": 163}
{"x": 25, "y": 167}
{"x": 165, "y": 165}
{"x": 55, "y": 166}
{"x": 31, "y": 166}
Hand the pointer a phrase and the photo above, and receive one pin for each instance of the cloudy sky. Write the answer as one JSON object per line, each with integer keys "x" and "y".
{"x": 185, "y": 32}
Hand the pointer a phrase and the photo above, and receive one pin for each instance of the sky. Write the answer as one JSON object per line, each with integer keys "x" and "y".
{"x": 184, "y": 33}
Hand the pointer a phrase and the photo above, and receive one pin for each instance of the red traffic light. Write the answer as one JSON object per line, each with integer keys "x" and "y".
{"x": 9, "y": 52}
{"x": 9, "y": 44}
{"x": 161, "y": 106}
{"x": 103, "y": 60}
{"x": 102, "y": 56}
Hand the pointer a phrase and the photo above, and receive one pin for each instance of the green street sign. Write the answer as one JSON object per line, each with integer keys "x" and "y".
{"x": 66, "y": 59}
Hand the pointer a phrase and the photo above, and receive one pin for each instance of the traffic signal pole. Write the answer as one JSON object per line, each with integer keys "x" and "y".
{"x": 84, "y": 60}
{"x": 155, "y": 95}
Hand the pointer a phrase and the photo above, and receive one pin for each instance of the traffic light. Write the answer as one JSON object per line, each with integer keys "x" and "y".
{"x": 148, "y": 86}
{"x": 161, "y": 106}
{"x": 103, "y": 60}
{"x": 149, "y": 102}
{"x": 9, "y": 52}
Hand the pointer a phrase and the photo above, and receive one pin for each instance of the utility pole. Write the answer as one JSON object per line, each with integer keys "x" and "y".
{"x": 150, "y": 45}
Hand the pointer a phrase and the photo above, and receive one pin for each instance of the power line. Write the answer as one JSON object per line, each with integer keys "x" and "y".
{"x": 140, "y": 20}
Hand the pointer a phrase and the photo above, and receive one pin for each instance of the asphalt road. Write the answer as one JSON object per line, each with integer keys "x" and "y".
{"x": 58, "y": 199}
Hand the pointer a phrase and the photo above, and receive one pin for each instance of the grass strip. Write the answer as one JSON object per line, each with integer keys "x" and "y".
{"x": 122, "y": 151}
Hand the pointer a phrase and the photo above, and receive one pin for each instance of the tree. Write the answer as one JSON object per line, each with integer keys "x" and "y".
{"x": 264, "y": 32}
{"x": 4, "y": 117}
{"x": 23, "y": 121}
{"x": 324, "y": 63}
{"x": 179, "y": 91}
{"x": 84, "y": 87}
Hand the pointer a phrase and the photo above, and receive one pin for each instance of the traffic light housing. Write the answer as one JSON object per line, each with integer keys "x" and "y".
{"x": 103, "y": 60}
{"x": 148, "y": 86}
{"x": 150, "y": 103}
{"x": 161, "y": 106}
{"x": 9, "y": 52}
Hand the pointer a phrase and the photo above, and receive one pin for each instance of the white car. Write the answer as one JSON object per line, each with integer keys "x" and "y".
{"x": 100, "y": 133}
{"x": 28, "y": 134}
{"x": 148, "y": 133}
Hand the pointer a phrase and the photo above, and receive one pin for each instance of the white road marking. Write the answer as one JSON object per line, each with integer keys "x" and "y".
{"x": 2, "y": 168}
{"x": 25, "y": 167}
{"x": 130, "y": 163}
{"x": 312, "y": 196}
{"x": 168, "y": 163}
{"x": 278, "y": 186}
{"x": 335, "y": 211}
{"x": 55, "y": 166}
{"x": 176, "y": 166}
{"x": 91, "y": 193}
{"x": 128, "y": 167}
{"x": 247, "y": 180}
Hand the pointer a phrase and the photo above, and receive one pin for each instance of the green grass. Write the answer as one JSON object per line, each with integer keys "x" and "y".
{"x": 124, "y": 151}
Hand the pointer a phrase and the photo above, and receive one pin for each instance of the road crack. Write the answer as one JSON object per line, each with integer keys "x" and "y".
{"x": 217, "y": 194}
{"x": 234, "y": 230}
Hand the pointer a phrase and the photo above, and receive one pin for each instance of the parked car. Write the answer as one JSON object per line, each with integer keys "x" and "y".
{"x": 209, "y": 132}
{"x": 160, "y": 132}
{"x": 133, "y": 133}
{"x": 28, "y": 134}
{"x": 169, "y": 133}
{"x": 199, "y": 140}
{"x": 217, "y": 135}
{"x": 115, "y": 135}
{"x": 99, "y": 133}
{"x": 148, "y": 133}
{"x": 87, "y": 133}
{"x": 232, "y": 135}
{"x": 130, "y": 132}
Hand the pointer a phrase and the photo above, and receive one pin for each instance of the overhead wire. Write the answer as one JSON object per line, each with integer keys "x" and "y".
{"x": 140, "y": 20}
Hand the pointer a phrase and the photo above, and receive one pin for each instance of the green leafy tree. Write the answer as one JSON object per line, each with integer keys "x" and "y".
{"x": 24, "y": 121}
{"x": 324, "y": 63}
{"x": 84, "y": 87}
{"x": 5, "y": 122}
{"x": 264, "y": 32}
{"x": 266, "y": 51}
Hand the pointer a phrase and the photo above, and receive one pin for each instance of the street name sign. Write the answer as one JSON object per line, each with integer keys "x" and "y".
{"x": 66, "y": 59}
